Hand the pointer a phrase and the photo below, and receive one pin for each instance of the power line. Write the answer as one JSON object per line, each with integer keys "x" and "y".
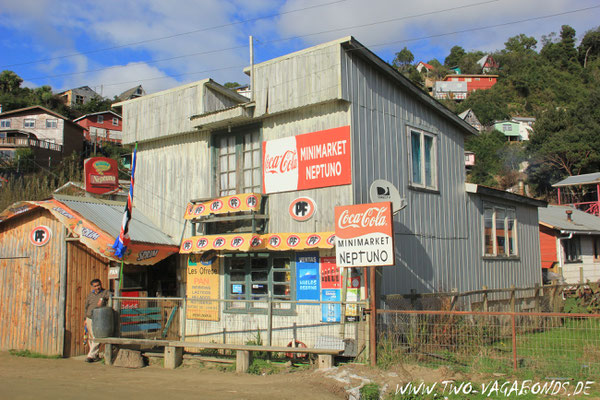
{"x": 174, "y": 35}
{"x": 266, "y": 42}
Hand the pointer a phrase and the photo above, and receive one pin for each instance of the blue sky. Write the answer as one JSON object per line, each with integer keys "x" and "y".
{"x": 114, "y": 45}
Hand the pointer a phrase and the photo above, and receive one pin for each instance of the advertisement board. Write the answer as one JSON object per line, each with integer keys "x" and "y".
{"x": 307, "y": 276}
{"x": 202, "y": 286}
{"x": 101, "y": 175}
{"x": 364, "y": 235}
{"x": 307, "y": 161}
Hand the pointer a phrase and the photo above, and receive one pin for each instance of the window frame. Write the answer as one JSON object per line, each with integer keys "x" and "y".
{"x": 100, "y": 119}
{"x": 115, "y": 121}
{"x": 433, "y": 156}
{"x": 29, "y": 123}
{"x": 248, "y": 306}
{"x": 5, "y": 123}
{"x": 239, "y": 152}
{"x": 572, "y": 250}
{"x": 493, "y": 238}
{"x": 50, "y": 121}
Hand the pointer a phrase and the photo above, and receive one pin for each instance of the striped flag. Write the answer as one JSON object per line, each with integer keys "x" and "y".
{"x": 122, "y": 241}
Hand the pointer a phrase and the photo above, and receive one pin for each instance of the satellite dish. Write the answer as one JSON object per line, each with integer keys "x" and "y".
{"x": 382, "y": 190}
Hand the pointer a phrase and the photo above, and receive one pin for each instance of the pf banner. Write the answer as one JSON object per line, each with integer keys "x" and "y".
{"x": 364, "y": 235}
{"x": 307, "y": 161}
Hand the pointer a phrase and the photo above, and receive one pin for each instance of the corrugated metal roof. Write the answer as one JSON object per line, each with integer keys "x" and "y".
{"x": 108, "y": 216}
{"x": 585, "y": 179}
{"x": 556, "y": 217}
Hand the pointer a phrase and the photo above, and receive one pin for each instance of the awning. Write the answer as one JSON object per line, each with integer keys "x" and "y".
{"x": 224, "y": 205}
{"x": 88, "y": 233}
{"x": 246, "y": 242}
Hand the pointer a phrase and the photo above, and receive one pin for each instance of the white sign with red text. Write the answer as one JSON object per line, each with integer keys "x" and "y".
{"x": 364, "y": 235}
{"x": 307, "y": 161}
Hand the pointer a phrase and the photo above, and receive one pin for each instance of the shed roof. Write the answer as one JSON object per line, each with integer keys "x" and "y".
{"x": 108, "y": 216}
{"x": 585, "y": 179}
{"x": 555, "y": 217}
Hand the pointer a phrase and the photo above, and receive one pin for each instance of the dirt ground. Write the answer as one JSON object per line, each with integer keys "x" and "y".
{"x": 34, "y": 378}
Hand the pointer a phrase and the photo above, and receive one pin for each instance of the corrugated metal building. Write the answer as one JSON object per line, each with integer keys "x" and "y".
{"x": 49, "y": 253}
{"x": 199, "y": 141}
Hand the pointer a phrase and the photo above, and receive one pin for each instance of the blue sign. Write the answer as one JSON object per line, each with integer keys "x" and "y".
{"x": 307, "y": 276}
{"x": 331, "y": 312}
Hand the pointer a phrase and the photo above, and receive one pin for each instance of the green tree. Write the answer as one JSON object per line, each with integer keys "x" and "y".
{"x": 403, "y": 60}
{"x": 589, "y": 48}
{"x": 520, "y": 43}
{"x": 487, "y": 147}
{"x": 231, "y": 85}
{"x": 10, "y": 82}
{"x": 453, "y": 59}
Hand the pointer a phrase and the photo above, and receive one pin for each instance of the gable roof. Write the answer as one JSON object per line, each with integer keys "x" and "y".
{"x": 43, "y": 109}
{"x": 98, "y": 113}
{"x": 555, "y": 217}
{"x": 129, "y": 93}
{"x": 585, "y": 179}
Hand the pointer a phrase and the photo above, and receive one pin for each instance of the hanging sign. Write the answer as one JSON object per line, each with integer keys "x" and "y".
{"x": 223, "y": 205}
{"x": 101, "y": 175}
{"x": 307, "y": 161}
{"x": 302, "y": 209}
{"x": 364, "y": 235}
{"x": 40, "y": 235}
{"x": 254, "y": 242}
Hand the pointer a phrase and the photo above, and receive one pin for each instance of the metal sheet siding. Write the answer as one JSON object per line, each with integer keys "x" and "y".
{"x": 431, "y": 232}
{"x": 306, "y": 120}
{"x": 297, "y": 80}
{"x": 170, "y": 172}
{"x": 162, "y": 114}
{"x": 29, "y": 286}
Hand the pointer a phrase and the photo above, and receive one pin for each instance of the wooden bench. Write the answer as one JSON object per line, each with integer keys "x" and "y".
{"x": 174, "y": 351}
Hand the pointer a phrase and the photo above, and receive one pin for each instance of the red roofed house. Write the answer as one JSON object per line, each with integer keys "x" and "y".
{"x": 103, "y": 126}
{"x": 474, "y": 81}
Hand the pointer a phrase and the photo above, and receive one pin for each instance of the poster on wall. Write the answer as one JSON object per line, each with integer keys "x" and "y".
{"x": 307, "y": 276}
{"x": 202, "y": 286}
{"x": 307, "y": 161}
{"x": 353, "y": 294}
{"x": 331, "y": 277}
{"x": 331, "y": 312}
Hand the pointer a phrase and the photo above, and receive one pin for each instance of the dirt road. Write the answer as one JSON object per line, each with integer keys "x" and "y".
{"x": 31, "y": 378}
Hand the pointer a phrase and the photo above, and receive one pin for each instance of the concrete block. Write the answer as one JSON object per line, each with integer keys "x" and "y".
{"x": 173, "y": 357}
{"x": 325, "y": 361}
{"x": 129, "y": 359}
{"x": 242, "y": 361}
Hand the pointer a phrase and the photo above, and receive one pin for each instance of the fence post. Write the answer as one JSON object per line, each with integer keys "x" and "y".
{"x": 453, "y": 299}
{"x": 373, "y": 321}
{"x": 485, "y": 299}
{"x": 512, "y": 299}
{"x": 183, "y": 319}
{"x": 554, "y": 297}
{"x": 514, "y": 341}
{"x": 538, "y": 306}
{"x": 270, "y": 321}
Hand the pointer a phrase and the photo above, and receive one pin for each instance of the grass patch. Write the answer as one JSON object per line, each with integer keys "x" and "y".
{"x": 31, "y": 354}
{"x": 370, "y": 391}
{"x": 262, "y": 367}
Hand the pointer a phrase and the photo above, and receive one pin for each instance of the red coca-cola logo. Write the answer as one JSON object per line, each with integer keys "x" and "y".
{"x": 281, "y": 163}
{"x": 371, "y": 217}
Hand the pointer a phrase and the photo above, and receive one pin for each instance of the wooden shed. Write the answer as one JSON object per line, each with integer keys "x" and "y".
{"x": 49, "y": 253}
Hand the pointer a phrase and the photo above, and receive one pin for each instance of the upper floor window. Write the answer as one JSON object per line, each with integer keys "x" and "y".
{"x": 572, "y": 249}
{"x": 100, "y": 119}
{"x": 78, "y": 99}
{"x": 29, "y": 123}
{"x": 500, "y": 231}
{"x": 5, "y": 123}
{"x": 506, "y": 127}
{"x": 115, "y": 121}
{"x": 238, "y": 162}
{"x": 51, "y": 123}
{"x": 423, "y": 156}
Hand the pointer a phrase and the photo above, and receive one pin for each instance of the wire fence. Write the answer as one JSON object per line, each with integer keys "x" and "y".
{"x": 547, "y": 344}
{"x": 267, "y": 322}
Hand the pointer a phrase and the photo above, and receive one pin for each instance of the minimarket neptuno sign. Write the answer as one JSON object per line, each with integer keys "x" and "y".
{"x": 364, "y": 235}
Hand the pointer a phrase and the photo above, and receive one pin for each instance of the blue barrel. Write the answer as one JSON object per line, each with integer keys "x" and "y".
{"x": 103, "y": 322}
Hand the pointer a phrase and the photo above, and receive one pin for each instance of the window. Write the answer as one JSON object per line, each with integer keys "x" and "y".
{"x": 500, "y": 231}
{"x": 100, "y": 119}
{"x": 423, "y": 167}
{"x": 506, "y": 127}
{"x": 115, "y": 121}
{"x": 596, "y": 240}
{"x": 29, "y": 123}
{"x": 238, "y": 162}
{"x": 5, "y": 123}
{"x": 572, "y": 249}
{"x": 78, "y": 99}
{"x": 51, "y": 123}
{"x": 257, "y": 277}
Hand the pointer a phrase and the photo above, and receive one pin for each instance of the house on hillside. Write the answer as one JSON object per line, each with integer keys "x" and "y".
{"x": 487, "y": 64}
{"x": 257, "y": 182}
{"x": 516, "y": 129}
{"x": 133, "y": 93}
{"x": 101, "y": 127}
{"x": 78, "y": 96}
{"x": 470, "y": 118}
{"x": 421, "y": 65}
{"x": 48, "y": 134}
{"x": 581, "y": 192}
{"x": 570, "y": 243}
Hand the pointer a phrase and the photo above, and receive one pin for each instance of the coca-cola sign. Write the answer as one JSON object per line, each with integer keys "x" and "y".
{"x": 364, "y": 235}
{"x": 307, "y": 161}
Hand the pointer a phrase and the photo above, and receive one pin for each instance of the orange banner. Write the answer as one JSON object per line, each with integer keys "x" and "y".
{"x": 16, "y": 209}
{"x": 223, "y": 205}
{"x": 245, "y": 242}
{"x": 101, "y": 242}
